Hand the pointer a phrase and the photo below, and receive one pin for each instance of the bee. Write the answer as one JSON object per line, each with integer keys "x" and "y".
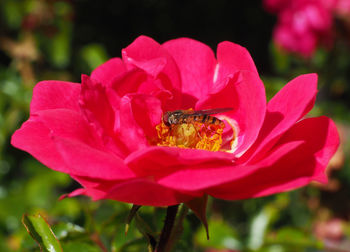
{"x": 190, "y": 116}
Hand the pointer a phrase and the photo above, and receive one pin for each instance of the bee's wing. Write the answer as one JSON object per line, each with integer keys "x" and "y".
{"x": 210, "y": 111}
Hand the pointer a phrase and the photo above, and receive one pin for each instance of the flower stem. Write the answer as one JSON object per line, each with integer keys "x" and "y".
{"x": 167, "y": 228}
{"x": 178, "y": 227}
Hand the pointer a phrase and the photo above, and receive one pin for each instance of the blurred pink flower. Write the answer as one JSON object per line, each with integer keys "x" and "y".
{"x": 302, "y": 25}
{"x": 108, "y": 132}
{"x": 342, "y": 8}
{"x": 332, "y": 229}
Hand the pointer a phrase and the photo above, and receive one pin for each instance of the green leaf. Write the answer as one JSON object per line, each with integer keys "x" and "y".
{"x": 224, "y": 237}
{"x": 131, "y": 215}
{"x": 68, "y": 230}
{"x": 41, "y": 232}
{"x": 145, "y": 229}
{"x": 79, "y": 247}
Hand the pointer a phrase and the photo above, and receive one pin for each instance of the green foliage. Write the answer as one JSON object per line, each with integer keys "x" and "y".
{"x": 41, "y": 232}
{"x": 222, "y": 236}
{"x": 54, "y": 46}
{"x": 93, "y": 55}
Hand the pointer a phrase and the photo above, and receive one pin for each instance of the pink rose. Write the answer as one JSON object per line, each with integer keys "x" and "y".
{"x": 342, "y": 8}
{"x": 333, "y": 229}
{"x": 108, "y": 132}
{"x": 302, "y": 25}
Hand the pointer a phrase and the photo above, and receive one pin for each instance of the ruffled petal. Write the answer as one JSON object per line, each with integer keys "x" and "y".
{"x": 288, "y": 106}
{"x": 55, "y": 94}
{"x": 129, "y": 82}
{"x": 200, "y": 176}
{"x": 146, "y": 54}
{"x": 108, "y": 71}
{"x": 139, "y": 114}
{"x": 245, "y": 93}
{"x": 69, "y": 124}
{"x": 147, "y": 192}
{"x": 140, "y": 191}
{"x": 33, "y": 137}
{"x": 296, "y": 168}
{"x": 231, "y": 58}
{"x": 63, "y": 141}
{"x": 196, "y": 62}
{"x": 83, "y": 160}
{"x": 157, "y": 161}
{"x": 96, "y": 107}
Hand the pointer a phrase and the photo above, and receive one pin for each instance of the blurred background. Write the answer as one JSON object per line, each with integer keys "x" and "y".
{"x": 60, "y": 40}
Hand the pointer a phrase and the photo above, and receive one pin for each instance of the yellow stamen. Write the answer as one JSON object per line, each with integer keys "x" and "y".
{"x": 194, "y": 135}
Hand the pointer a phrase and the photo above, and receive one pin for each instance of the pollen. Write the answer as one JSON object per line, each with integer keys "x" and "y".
{"x": 195, "y": 135}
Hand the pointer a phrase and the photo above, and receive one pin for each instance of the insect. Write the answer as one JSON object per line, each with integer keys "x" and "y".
{"x": 189, "y": 116}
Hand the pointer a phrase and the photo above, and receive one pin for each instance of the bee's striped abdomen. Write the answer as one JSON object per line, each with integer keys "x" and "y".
{"x": 207, "y": 119}
{"x": 200, "y": 116}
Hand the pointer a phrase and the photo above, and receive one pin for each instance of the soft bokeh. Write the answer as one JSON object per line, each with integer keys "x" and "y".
{"x": 304, "y": 25}
{"x": 59, "y": 40}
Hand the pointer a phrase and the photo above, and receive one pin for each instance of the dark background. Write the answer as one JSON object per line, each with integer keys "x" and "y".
{"x": 115, "y": 24}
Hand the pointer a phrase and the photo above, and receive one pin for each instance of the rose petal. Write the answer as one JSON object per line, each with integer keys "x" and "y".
{"x": 55, "y": 94}
{"x": 141, "y": 191}
{"x": 64, "y": 142}
{"x": 100, "y": 184}
{"x": 95, "y": 106}
{"x": 77, "y": 192}
{"x": 98, "y": 111}
{"x": 196, "y": 62}
{"x": 137, "y": 81}
{"x": 33, "y": 137}
{"x": 129, "y": 82}
{"x": 89, "y": 162}
{"x": 287, "y": 107}
{"x": 201, "y": 176}
{"x": 231, "y": 58}
{"x": 108, "y": 71}
{"x": 245, "y": 93}
{"x": 145, "y": 49}
{"x": 148, "y": 55}
{"x": 295, "y": 169}
{"x": 146, "y": 192}
{"x": 158, "y": 161}
{"x": 322, "y": 134}
{"x": 139, "y": 114}
{"x": 69, "y": 124}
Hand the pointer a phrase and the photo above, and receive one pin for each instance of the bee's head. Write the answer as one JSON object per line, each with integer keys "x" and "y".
{"x": 171, "y": 117}
{"x": 166, "y": 118}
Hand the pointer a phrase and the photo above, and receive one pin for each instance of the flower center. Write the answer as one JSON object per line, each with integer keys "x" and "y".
{"x": 194, "y": 134}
